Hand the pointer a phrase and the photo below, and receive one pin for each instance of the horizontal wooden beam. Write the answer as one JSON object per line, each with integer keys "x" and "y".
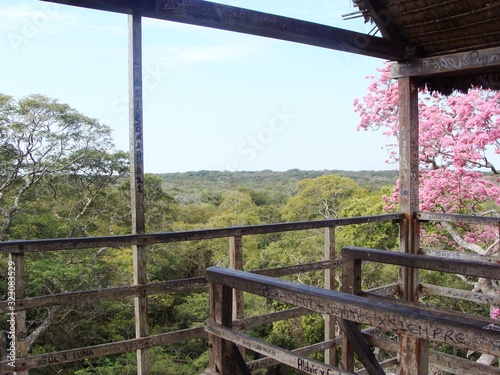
{"x": 475, "y": 334}
{"x": 25, "y": 246}
{"x": 462, "y": 267}
{"x": 463, "y": 219}
{"x": 476, "y": 61}
{"x": 479, "y": 298}
{"x": 297, "y": 361}
{"x": 91, "y": 352}
{"x": 225, "y": 17}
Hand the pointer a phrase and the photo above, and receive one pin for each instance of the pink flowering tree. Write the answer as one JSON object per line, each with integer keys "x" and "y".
{"x": 459, "y": 145}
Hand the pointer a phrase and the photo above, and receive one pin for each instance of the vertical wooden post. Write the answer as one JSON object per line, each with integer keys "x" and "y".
{"x": 414, "y": 353}
{"x": 137, "y": 184}
{"x": 18, "y": 260}
{"x": 220, "y": 312}
{"x": 351, "y": 283}
{"x": 330, "y": 285}
{"x": 236, "y": 263}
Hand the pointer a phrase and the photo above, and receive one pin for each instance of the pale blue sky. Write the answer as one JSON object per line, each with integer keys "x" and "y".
{"x": 213, "y": 100}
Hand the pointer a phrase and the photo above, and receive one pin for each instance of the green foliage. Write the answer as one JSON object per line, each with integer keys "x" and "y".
{"x": 91, "y": 197}
{"x": 324, "y": 197}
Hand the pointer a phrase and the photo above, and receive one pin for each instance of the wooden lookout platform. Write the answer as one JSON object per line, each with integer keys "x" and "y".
{"x": 446, "y": 45}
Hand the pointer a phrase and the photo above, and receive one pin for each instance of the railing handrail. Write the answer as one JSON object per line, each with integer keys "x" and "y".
{"x": 27, "y": 246}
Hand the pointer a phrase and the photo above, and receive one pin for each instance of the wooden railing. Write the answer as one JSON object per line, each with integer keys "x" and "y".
{"x": 353, "y": 310}
{"x": 16, "y": 251}
{"x": 446, "y": 261}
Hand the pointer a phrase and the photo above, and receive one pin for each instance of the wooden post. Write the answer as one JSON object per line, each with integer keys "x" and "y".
{"x": 137, "y": 184}
{"x": 351, "y": 283}
{"x": 236, "y": 263}
{"x": 18, "y": 262}
{"x": 414, "y": 353}
{"x": 330, "y": 285}
{"x": 220, "y": 312}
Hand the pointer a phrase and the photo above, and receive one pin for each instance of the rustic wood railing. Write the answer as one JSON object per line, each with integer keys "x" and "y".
{"x": 352, "y": 311}
{"x": 16, "y": 251}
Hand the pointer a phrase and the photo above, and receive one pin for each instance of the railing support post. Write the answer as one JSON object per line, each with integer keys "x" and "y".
{"x": 330, "y": 284}
{"x": 414, "y": 352}
{"x": 137, "y": 184}
{"x": 221, "y": 302}
{"x": 351, "y": 283}
{"x": 21, "y": 343}
{"x": 236, "y": 263}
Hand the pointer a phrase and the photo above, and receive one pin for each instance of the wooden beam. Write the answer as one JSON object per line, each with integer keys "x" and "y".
{"x": 225, "y": 17}
{"x": 472, "y": 61}
{"x": 304, "y": 364}
{"x": 463, "y": 267}
{"x": 137, "y": 184}
{"x": 29, "y": 246}
{"x": 92, "y": 352}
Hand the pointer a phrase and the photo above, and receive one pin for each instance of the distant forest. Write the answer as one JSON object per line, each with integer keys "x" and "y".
{"x": 204, "y": 186}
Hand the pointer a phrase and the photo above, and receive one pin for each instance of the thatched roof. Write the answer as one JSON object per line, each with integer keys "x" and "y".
{"x": 442, "y": 27}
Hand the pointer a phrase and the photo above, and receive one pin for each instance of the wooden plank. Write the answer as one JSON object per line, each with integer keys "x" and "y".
{"x": 137, "y": 184}
{"x": 7, "y": 247}
{"x": 455, "y": 218}
{"x": 481, "y": 298}
{"x": 428, "y": 325}
{"x": 307, "y": 350}
{"x": 230, "y": 18}
{"x": 389, "y": 290}
{"x": 286, "y": 357}
{"x": 110, "y": 294}
{"x": 300, "y": 268}
{"x": 330, "y": 284}
{"x": 461, "y": 62}
{"x": 468, "y": 268}
{"x": 351, "y": 284}
{"x": 461, "y": 256}
{"x": 89, "y": 352}
{"x": 20, "y": 334}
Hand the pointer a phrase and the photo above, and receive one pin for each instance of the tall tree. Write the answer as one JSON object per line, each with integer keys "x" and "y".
{"x": 44, "y": 142}
{"x": 459, "y": 145}
{"x": 60, "y": 165}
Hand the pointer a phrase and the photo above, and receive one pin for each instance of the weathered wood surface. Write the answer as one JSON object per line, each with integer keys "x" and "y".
{"x": 469, "y": 61}
{"x": 110, "y": 294}
{"x": 439, "y": 327}
{"x": 460, "y": 256}
{"x": 481, "y": 298}
{"x": 455, "y": 218}
{"x": 438, "y": 360}
{"x": 330, "y": 284}
{"x": 287, "y": 357}
{"x": 230, "y": 18}
{"x": 311, "y": 349}
{"x": 168, "y": 237}
{"x": 463, "y": 267}
{"x": 90, "y": 352}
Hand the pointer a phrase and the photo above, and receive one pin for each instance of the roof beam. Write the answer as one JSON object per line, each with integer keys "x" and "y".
{"x": 224, "y": 17}
{"x": 477, "y": 61}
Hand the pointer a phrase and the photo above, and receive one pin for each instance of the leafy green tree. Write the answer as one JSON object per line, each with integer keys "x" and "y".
{"x": 324, "y": 197}
{"x": 44, "y": 142}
